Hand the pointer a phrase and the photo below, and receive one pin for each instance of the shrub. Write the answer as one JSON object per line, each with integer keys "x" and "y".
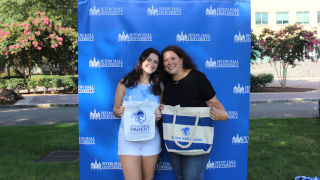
{"x": 3, "y": 83}
{"x": 16, "y": 84}
{"x": 56, "y": 83}
{"x": 265, "y": 78}
{"x": 68, "y": 83}
{"x": 13, "y": 73}
{"x": 33, "y": 83}
{"x": 260, "y": 80}
{"x": 45, "y": 82}
{"x": 8, "y": 96}
{"x": 254, "y": 82}
{"x": 71, "y": 83}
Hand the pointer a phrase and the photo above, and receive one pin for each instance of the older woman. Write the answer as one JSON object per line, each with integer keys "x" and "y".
{"x": 184, "y": 85}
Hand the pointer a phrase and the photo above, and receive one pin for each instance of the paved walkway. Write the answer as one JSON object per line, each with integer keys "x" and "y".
{"x": 71, "y": 100}
{"x": 63, "y": 100}
{"x": 36, "y": 109}
{"x": 311, "y": 82}
{"x": 312, "y": 96}
{"x": 47, "y": 100}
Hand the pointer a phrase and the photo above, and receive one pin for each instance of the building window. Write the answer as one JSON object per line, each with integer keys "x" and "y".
{"x": 303, "y": 17}
{"x": 318, "y": 17}
{"x": 282, "y": 17}
{"x": 261, "y": 18}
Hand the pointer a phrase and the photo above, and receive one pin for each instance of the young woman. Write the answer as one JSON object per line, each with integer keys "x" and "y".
{"x": 184, "y": 85}
{"x": 139, "y": 158}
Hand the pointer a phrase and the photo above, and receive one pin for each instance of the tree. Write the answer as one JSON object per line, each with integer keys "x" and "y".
{"x": 287, "y": 46}
{"x": 8, "y": 35}
{"x": 255, "y": 47}
{"x": 59, "y": 10}
{"x": 28, "y": 43}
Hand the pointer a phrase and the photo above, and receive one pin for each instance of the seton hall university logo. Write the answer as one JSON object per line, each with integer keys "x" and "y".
{"x": 186, "y": 131}
{"x": 139, "y": 116}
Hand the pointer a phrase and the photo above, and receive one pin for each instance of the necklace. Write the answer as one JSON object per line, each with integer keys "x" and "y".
{"x": 181, "y": 77}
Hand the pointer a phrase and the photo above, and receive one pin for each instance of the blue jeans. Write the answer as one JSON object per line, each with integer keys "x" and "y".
{"x": 189, "y": 167}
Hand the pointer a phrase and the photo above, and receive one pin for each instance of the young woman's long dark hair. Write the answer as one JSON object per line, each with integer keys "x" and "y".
{"x": 131, "y": 80}
{"x": 187, "y": 61}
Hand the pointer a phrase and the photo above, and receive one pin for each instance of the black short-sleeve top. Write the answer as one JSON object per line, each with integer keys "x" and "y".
{"x": 191, "y": 91}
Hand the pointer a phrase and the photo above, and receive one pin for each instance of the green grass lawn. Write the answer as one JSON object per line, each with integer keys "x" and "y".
{"x": 282, "y": 149}
{"x": 22, "y": 146}
{"x": 279, "y": 149}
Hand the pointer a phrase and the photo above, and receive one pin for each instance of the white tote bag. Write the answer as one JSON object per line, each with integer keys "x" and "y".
{"x": 139, "y": 120}
{"x": 187, "y": 130}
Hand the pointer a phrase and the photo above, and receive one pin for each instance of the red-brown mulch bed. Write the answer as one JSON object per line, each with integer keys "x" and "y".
{"x": 280, "y": 89}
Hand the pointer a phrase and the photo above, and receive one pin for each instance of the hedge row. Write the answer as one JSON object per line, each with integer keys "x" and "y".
{"x": 53, "y": 82}
{"x": 70, "y": 83}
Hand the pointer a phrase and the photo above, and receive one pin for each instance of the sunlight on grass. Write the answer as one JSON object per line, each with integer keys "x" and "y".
{"x": 279, "y": 149}
{"x": 24, "y": 145}
{"x": 283, "y": 148}
{"x": 66, "y": 125}
{"x": 282, "y": 143}
{"x": 306, "y": 139}
{"x": 270, "y": 124}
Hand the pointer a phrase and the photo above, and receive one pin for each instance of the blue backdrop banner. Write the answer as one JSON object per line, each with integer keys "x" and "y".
{"x": 113, "y": 33}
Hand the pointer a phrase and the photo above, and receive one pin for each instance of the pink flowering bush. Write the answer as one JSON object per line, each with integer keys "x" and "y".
{"x": 38, "y": 41}
{"x": 8, "y": 96}
{"x": 287, "y": 46}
